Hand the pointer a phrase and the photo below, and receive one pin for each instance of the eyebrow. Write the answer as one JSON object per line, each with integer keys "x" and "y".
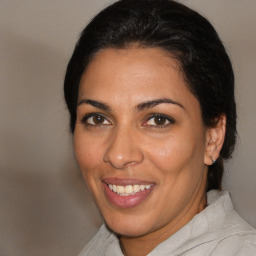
{"x": 94, "y": 103}
{"x": 140, "y": 107}
{"x": 152, "y": 103}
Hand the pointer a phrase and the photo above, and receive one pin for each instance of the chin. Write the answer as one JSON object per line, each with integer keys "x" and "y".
{"x": 129, "y": 231}
{"x": 128, "y": 226}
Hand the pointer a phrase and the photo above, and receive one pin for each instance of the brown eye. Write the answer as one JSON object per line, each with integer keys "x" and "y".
{"x": 97, "y": 119}
{"x": 160, "y": 120}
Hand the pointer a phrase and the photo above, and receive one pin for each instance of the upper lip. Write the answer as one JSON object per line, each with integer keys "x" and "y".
{"x": 126, "y": 181}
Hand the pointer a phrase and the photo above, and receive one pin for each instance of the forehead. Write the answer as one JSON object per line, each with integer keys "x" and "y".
{"x": 134, "y": 74}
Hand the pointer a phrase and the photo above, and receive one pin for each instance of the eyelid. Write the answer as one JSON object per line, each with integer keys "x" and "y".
{"x": 154, "y": 115}
{"x": 89, "y": 115}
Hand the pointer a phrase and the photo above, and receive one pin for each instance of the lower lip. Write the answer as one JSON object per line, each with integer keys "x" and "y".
{"x": 126, "y": 201}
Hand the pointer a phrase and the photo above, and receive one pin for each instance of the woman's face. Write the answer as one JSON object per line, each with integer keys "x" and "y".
{"x": 140, "y": 141}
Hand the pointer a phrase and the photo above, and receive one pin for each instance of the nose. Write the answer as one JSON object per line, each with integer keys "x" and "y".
{"x": 123, "y": 149}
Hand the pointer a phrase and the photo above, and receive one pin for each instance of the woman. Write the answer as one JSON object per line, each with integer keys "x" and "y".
{"x": 150, "y": 90}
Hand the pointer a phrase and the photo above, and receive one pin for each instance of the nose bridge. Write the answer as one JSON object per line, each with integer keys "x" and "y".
{"x": 123, "y": 149}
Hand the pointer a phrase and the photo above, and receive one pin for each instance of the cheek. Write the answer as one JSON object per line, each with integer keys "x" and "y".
{"x": 173, "y": 153}
{"x": 87, "y": 154}
{"x": 88, "y": 157}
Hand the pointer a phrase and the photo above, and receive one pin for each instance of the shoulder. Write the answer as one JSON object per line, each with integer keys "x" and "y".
{"x": 93, "y": 246}
{"x": 103, "y": 243}
{"x": 234, "y": 237}
{"x": 240, "y": 244}
{"x": 247, "y": 249}
{"x": 237, "y": 237}
{"x": 219, "y": 230}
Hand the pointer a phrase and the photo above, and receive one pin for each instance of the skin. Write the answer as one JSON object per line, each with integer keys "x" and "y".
{"x": 129, "y": 143}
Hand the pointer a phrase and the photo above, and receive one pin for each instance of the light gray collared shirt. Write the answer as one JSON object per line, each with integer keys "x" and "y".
{"x": 217, "y": 231}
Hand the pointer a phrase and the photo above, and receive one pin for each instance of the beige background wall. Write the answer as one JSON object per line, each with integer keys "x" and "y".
{"x": 45, "y": 208}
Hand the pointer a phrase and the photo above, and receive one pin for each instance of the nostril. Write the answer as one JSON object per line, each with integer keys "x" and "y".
{"x": 119, "y": 164}
{"x": 123, "y": 161}
{"x": 122, "y": 150}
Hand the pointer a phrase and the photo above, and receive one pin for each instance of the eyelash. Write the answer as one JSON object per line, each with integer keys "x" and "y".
{"x": 170, "y": 120}
{"x": 155, "y": 115}
{"x": 85, "y": 118}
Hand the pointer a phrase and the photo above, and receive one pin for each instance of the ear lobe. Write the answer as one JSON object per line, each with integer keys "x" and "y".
{"x": 215, "y": 137}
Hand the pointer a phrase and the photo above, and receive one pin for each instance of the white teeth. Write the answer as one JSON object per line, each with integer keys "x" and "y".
{"x": 142, "y": 187}
{"x": 136, "y": 188}
{"x": 129, "y": 189}
{"x": 120, "y": 189}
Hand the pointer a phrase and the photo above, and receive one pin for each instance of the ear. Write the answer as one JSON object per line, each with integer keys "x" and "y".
{"x": 214, "y": 140}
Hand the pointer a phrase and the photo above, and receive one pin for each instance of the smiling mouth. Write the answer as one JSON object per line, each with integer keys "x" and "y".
{"x": 128, "y": 190}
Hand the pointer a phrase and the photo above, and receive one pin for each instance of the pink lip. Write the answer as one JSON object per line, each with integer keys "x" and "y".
{"x": 126, "y": 201}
